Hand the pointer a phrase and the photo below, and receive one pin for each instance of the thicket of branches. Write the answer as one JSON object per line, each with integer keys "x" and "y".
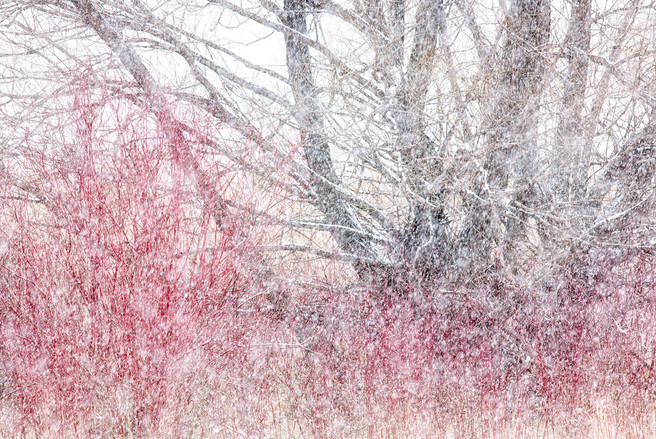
{"x": 430, "y": 139}
{"x": 330, "y": 214}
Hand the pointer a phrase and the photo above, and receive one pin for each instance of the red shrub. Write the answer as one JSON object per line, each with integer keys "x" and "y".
{"x": 125, "y": 309}
{"x": 112, "y": 318}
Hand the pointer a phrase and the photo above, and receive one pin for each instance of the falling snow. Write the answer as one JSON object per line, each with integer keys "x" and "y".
{"x": 330, "y": 219}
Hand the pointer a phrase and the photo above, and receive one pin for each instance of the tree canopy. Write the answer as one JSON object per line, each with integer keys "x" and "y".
{"x": 428, "y": 138}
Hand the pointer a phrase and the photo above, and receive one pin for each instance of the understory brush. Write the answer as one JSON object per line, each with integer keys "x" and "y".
{"x": 127, "y": 309}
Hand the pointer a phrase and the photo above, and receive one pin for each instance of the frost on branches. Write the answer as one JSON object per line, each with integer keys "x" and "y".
{"x": 325, "y": 218}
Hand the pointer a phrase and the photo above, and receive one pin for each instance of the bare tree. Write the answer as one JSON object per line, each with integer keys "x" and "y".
{"x": 432, "y": 139}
